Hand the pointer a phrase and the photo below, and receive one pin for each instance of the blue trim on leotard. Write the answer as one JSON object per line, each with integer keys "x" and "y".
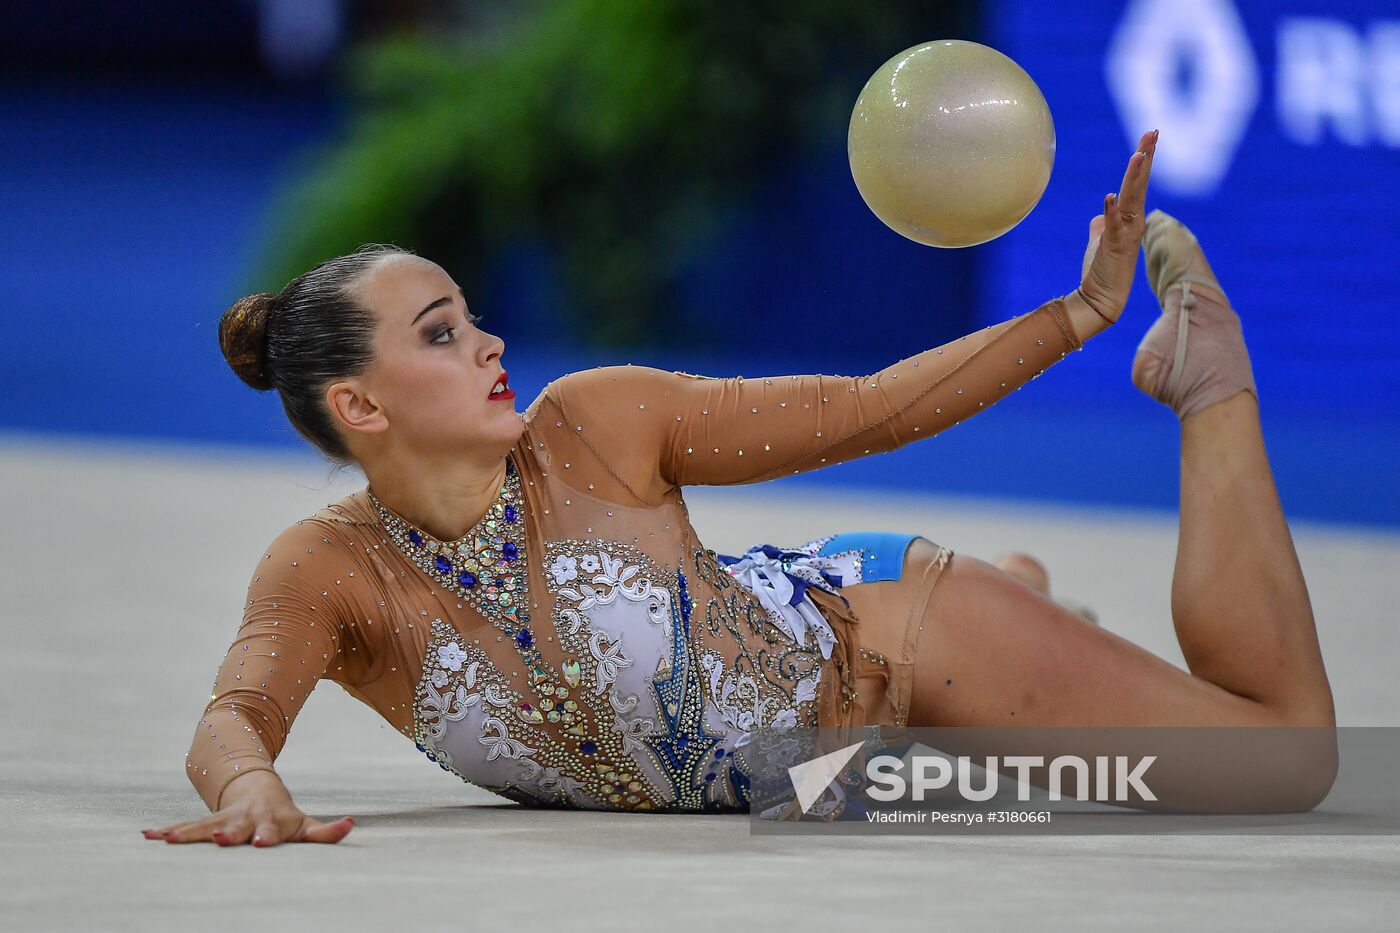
{"x": 883, "y": 552}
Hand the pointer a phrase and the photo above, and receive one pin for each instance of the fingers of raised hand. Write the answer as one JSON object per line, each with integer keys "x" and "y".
{"x": 1132, "y": 196}
{"x": 1095, "y": 233}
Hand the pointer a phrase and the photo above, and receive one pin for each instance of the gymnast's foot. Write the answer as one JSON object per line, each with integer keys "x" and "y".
{"x": 1032, "y": 572}
{"x": 1194, "y": 355}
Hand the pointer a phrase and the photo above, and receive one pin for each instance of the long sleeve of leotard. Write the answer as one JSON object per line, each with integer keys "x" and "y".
{"x": 654, "y": 427}
{"x": 291, "y": 636}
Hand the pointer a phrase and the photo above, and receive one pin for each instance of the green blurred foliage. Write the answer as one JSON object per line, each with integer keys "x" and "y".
{"x": 619, "y": 132}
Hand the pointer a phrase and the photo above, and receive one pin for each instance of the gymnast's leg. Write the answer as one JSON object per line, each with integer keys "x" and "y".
{"x": 995, "y": 652}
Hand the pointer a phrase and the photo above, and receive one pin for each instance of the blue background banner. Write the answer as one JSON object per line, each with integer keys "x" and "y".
{"x": 134, "y": 205}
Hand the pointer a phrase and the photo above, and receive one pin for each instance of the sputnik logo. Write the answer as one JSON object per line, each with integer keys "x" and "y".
{"x": 811, "y": 778}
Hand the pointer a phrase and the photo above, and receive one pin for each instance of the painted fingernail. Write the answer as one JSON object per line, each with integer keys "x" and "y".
{"x": 220, "y": 837}
{"x": 1155, "y": 134}
{"x": 257, "y": 840}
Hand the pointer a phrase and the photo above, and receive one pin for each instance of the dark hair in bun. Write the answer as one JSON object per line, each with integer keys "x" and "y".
{"x": 243, "y": 338}
{"x": 305, "y": 337}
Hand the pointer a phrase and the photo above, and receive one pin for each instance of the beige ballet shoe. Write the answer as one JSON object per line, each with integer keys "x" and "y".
{"x": 1196, "y": 315}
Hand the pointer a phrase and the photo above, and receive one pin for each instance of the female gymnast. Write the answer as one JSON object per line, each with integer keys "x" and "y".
{"x": 523, "y": 595}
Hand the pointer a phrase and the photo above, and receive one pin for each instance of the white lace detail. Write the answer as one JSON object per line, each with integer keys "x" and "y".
{"x": 738, "y": 699}
{"x": 451, "y": 656}
{"x": 499, "y": 744}
{"x": 609, "y": 659}
{"x": 437, "y": 708}
{"x": 564, "y": 569}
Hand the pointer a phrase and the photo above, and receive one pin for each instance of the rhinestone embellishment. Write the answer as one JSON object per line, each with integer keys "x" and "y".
{"x": 486, "y": 567}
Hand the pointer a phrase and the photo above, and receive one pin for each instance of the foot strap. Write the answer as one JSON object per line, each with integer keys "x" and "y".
{"x": 1188, "y": 301}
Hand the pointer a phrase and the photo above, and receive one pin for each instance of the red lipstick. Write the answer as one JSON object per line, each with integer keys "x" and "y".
{"x": 506, "y": 392}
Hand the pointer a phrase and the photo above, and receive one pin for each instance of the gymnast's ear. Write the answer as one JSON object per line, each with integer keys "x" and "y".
{"x": 353, "y": 408}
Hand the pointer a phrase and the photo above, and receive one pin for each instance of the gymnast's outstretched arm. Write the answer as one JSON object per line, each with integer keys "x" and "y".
{"x": 657, "y": 430}
{"x": 689, "y": 430}
{"x": 699, "y": 430}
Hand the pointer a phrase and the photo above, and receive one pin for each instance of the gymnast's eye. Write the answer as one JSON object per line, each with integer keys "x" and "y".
{"x": 444, "y": 330}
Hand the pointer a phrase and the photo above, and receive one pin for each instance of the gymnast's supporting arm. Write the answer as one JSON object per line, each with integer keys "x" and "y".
{"x": 292, "y": 636}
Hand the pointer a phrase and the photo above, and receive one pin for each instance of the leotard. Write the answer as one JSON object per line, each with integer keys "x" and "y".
{"x": 580, "y": 647}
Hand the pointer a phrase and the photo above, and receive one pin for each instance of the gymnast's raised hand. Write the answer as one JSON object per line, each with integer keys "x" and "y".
{"x": 1114, "y": 239}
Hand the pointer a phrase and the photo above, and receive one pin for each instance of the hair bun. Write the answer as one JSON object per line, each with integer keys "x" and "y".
{"x": 243, "y": 338}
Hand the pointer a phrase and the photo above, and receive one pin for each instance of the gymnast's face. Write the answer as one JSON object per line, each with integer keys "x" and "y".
{"x": 429, "y": 389}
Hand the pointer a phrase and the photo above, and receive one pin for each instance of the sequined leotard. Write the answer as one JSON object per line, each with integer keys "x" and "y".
{"x": 581, "y": 647}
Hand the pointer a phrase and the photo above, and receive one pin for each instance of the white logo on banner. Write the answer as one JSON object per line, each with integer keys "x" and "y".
{"x": 1338, "y": 79}
{"x": 1185, "y": 67}
{"x": 811, "y": 778}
